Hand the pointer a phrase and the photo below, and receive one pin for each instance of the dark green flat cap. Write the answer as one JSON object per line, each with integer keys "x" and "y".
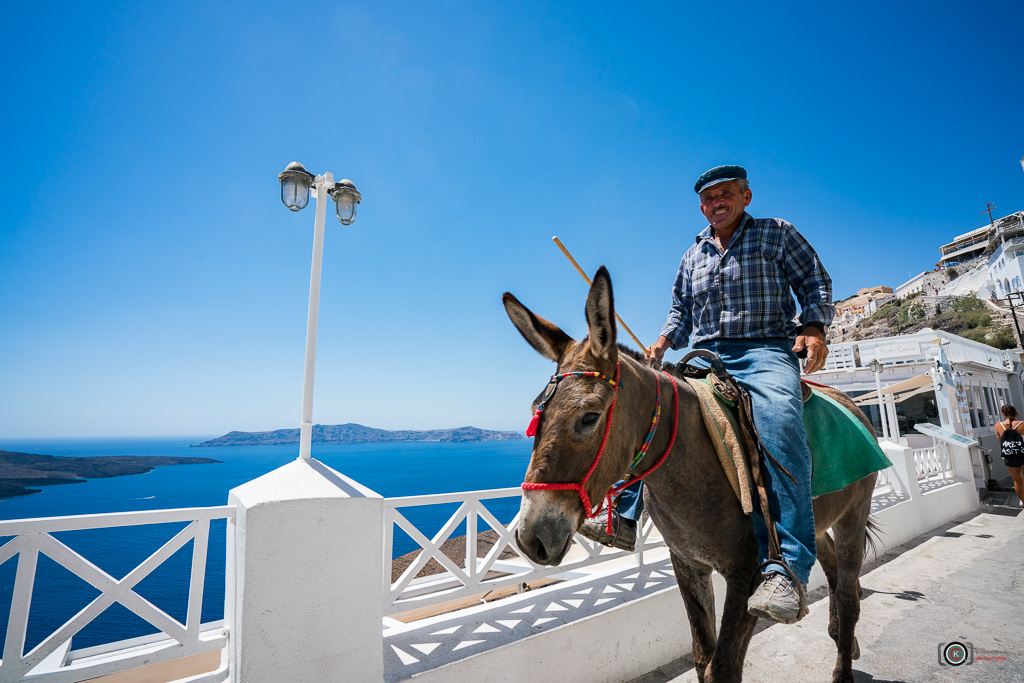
{"x": 719, "y": 174}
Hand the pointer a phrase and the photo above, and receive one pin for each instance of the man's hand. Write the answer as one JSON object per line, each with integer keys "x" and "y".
{"x": 813, "y": 341}
{"x": 656, "y": 351}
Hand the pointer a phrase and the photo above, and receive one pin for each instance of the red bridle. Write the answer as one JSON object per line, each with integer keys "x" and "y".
{"x": 613, "y": 491}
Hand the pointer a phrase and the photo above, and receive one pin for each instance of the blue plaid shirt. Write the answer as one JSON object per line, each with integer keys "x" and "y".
{"x": 745, "y": 292}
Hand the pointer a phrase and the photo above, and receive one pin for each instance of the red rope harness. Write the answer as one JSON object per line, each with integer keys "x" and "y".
{"x": 613, "y": 491}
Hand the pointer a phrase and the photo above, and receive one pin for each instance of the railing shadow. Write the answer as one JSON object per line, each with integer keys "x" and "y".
{"x": 433, "y": 642}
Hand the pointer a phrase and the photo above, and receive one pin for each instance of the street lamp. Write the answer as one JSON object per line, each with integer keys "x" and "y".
{"x": 346, "y": 197}
{"x": 877, "y": 368}
{"x": 296, "y": 182}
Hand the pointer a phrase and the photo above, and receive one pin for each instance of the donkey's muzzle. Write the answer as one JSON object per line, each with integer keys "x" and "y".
{"x": 547, "y": 541}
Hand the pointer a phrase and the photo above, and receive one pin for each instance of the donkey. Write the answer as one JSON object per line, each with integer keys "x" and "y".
{"x": 689, "y": 497}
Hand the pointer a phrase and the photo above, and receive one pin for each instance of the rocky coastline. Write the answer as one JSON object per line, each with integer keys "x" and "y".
{"x": 350, "y": 433}
{"x": 20, "y": 471}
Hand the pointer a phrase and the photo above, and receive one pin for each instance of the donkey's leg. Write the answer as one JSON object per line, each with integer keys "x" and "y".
{"x": 698, "y": 597}
{"x": 827, "y": 558}
{"x": 737, "y": 629}
{"x": 850, "y": 531}
{"x": 829, "y": 562}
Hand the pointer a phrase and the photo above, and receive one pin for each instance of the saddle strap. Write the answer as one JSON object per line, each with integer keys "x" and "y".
{"x": 757, "y": 472}
{"x": 757, "y": 450}
{"x": 761, "y": 480}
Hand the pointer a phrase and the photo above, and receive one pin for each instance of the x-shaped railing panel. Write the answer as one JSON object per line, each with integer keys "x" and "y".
{"x": 407, "y": 593}
{"x": 34, "y": 537}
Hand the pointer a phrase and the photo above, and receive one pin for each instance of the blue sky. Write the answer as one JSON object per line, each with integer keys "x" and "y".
{"x": 151, "y": 282}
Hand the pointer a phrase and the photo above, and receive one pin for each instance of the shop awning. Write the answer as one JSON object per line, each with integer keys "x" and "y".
{"x": 900, "y": 390}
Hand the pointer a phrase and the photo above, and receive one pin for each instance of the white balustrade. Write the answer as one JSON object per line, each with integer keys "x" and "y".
{"x": 52, "y": 659}
{"x": 933, "y": 463}
{"x": 476, "y": 578}
{"x": 479, "y": 575}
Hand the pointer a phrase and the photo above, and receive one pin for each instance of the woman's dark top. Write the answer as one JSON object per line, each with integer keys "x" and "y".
{"x": 1011, "y": 447}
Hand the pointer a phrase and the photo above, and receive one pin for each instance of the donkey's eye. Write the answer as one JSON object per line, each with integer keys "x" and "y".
{"x": 589, "y": 419}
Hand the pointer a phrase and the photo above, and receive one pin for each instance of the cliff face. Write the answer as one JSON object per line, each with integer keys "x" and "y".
{"x": 356, "y": 433}
{"x": 968, "y": 317}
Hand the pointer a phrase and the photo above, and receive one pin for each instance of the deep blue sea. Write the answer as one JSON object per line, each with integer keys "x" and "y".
{"x": 389, "y": 469}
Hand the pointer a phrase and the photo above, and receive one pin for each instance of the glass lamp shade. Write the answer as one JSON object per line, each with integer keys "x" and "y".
{"x": 346, "y": 198}
{"x": 295, "y": 184}
{"x": 345, "y": 205}
{"x": 294, "y": 193}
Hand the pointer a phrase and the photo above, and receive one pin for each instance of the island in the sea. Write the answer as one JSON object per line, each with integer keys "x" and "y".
{"x": 356, "y": 433}
{"x": 19, "y": 471}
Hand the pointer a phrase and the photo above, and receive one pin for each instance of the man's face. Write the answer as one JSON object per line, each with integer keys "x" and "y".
{"x": 723, "y": 204}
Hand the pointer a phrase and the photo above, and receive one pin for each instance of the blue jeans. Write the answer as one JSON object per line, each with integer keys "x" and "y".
{"x": 631, "y": 501}
{"x": 770, "y": 372}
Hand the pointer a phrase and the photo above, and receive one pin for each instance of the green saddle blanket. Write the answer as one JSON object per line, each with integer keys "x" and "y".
{"x": 842, "y": 448}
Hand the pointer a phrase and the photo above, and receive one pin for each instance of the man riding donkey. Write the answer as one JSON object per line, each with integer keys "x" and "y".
{"x": 732, "y": 292}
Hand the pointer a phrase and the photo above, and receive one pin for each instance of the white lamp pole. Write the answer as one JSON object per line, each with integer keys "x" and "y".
{"x": 296, "y": 182}
{"x": 876, "y": 370}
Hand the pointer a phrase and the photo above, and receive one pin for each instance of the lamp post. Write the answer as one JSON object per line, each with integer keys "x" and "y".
{"x": 876, "y": 368}
{"x": 296, "y": 182}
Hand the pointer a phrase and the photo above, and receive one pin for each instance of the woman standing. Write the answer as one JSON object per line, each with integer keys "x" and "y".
{"x": 1011, "y": 447}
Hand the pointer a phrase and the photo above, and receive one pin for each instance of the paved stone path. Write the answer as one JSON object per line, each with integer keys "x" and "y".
{"x": 962, "y": 582}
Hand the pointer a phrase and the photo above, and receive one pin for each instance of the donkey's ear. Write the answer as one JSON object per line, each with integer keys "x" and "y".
{"x": 546, "y": 337}
{"x": 601, "y": 315}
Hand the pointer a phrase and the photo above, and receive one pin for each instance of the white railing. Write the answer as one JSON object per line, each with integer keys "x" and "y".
{"x": 479, "y": 577}
{"x": 933, "y": 463}
{"x": 52, "y": 660}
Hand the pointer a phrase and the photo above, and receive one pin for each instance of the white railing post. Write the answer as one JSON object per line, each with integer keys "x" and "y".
{"x": 904, "y": 466}
{"x": 304, "y": 585}
{"x": 960, "y": 462}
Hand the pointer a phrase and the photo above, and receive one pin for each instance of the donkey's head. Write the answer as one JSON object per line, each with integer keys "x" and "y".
{"x": 572, "y": 424}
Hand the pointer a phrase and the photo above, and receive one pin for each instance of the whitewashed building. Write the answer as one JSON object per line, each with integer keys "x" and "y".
{"x": 914, "y": 285}
{"x": 1006, "y": 256}
{"x": 931, "y": 377}
{"x": 965, "y": 247}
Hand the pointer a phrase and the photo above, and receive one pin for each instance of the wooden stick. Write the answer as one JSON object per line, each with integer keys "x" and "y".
{"x": 587, "y": 279}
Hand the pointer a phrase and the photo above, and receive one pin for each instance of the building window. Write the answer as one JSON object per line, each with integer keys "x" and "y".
{"x": 980, "y": 406}
{"x": 970, "y": 407}
{"x": 871, "y": 410}
{"x": 916, "y": 410}
{"x": 990, "y": 403}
